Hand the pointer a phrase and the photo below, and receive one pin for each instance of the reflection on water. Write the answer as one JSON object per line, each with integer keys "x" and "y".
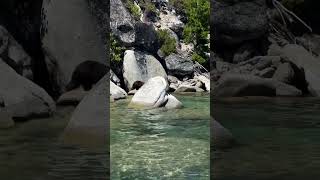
{"x": 278, "y": 139}
{"x": 31, "y": 151}
{"x": 158, "y": 144}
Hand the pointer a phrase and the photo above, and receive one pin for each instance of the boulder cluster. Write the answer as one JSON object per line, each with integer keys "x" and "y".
{"x": 45, "y": 63}
{"x": 258, "y": 51}
{"x": 143, "y": 62}
{"x": 255, "y": 54}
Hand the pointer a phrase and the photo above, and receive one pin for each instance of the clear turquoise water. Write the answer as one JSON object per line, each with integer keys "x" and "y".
{"x": 277, "y": 139}
{"x": 158, "y": 144}
{"x": 32, "y": 151}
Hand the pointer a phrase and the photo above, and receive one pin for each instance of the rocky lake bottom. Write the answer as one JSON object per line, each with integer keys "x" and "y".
{"x": 33, "y": 151}
{"x": 276, "y": 139}
{"x": 161, "y": 144}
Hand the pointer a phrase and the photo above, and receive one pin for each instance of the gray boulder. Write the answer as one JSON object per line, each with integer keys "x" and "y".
{"x": 116, "y": 92}
{"x": 152, "y": 94}
{"x": 267, "y": 72}
{"x": 173, "y": 103}
{"x": 14, "y": 55}
{"x": 233, "y": 85}
{"x": 235, "y": 23}
{"x": 22, "y": 98}
{"x": 122, "y": 23}
{"x": 114, "y": 78}
{"x": 139, "y": 66}
{"x": 72, "y": 97}
{"x": 79, "y": 30}
{"x": 204, "y": 80}
{"x": 146, "y": 38}
{"x": 304, "y": 60}
{"x": 88, "y": 124}
{"x": 179, "y": 66}
{"x": 188, "y": 88}
{"x": 284, "y": 73}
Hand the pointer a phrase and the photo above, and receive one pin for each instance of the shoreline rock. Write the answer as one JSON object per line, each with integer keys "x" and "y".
{"x": 153, "y": 94}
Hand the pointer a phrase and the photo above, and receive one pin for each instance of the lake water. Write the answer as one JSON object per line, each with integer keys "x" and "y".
{"x": 158, "y": 144}
{"x": 276, "y": 139}
{"x": 32, "y": 151}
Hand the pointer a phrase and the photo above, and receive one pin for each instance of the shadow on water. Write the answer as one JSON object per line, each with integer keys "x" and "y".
{"x": 279, "y": 137}
{"x": 32, "y": 151}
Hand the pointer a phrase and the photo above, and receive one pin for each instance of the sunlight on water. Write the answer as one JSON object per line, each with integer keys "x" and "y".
{"x": 158, "y": 144}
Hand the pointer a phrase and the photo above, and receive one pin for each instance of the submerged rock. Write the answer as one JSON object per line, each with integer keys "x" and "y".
{"x": 5, "y": 120}
{"x": 88, "y": 124}
{"x": 222, "y": 137}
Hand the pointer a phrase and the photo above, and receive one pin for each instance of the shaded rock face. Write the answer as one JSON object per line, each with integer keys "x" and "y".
{"x": 22, "y": 98}
{"x": 179, "y": 66}
{"x": 86, "y": 75}
{"x": 88, "y": 124}
{"x": 236, "y": 22}
{"x": 307, "y": 67}
{"x": 222, "y": 137}
{"x": 72, "y": 42}
{"x": 114, "y": 78}
{"x": 237, "y": 85}
{"x": 14, "y": 55}
{"x": 138, "y": 66}
{"x": 23, "y": 20}
{"x": 284, "y": 73}
{"x": 146, "y": 38}
{"x": 122, "y": 24}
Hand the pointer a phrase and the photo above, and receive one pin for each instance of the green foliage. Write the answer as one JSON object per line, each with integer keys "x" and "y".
{"x": 133, "y": 9}
{"x": 168, "y": 43}
{"x": 177, "y": 4}
{"x": 150, "y": 6}
{"x": 116, "y": 50}
{"x": 197, "y": 27}
{"x": 196, "y": 57}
